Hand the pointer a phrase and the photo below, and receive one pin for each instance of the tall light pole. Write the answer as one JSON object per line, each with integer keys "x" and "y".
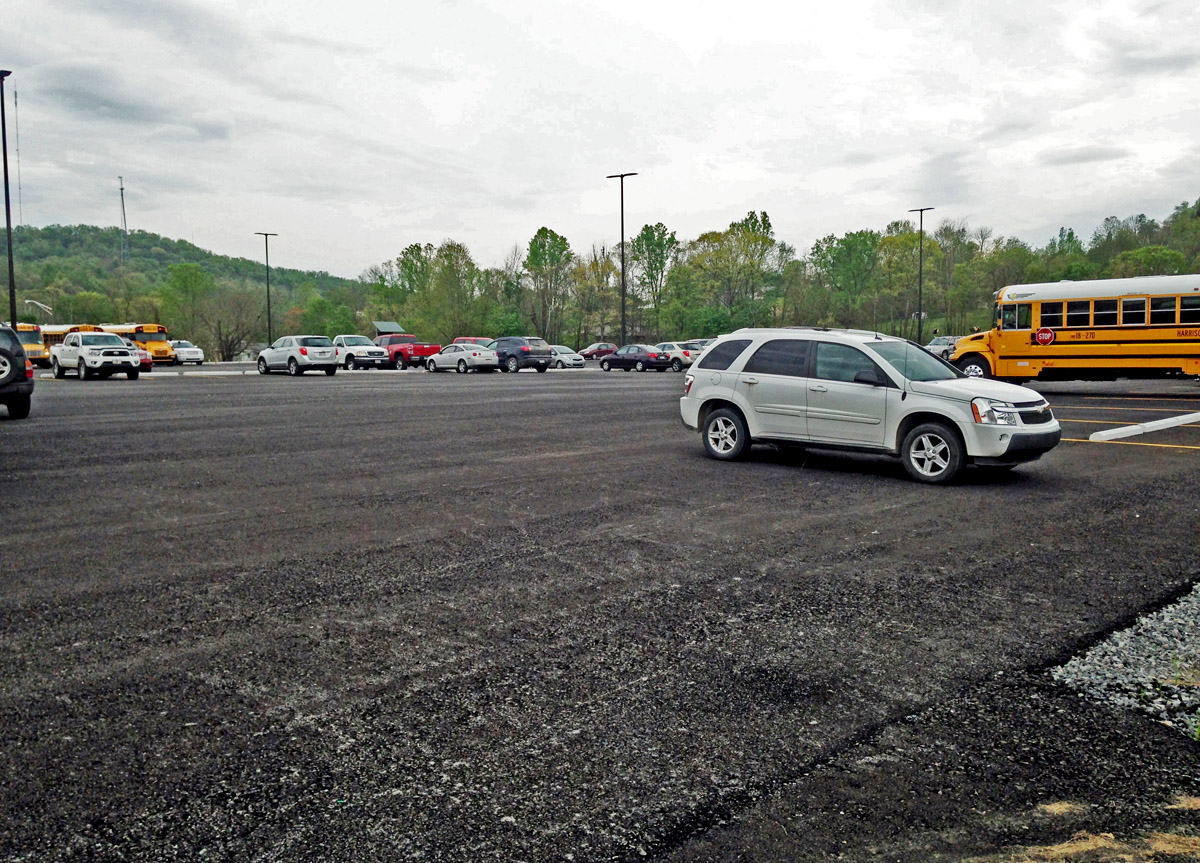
{"x": 267, "y": 248}
{"x": 622, "y": 177}
{"x": 920, "y": 269}
{"x": 12, "y": 279}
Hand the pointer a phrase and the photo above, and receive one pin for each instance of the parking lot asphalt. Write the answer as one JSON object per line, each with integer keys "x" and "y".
{"x": 523, "y": 617}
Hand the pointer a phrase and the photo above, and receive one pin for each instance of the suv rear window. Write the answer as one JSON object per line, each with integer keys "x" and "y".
{"x": 722, "y": 356}
{"x": 780, "y": 357}
{"x": 536, "y": 343}
{"x": 8, "y": 341}
{"x": 316, "y": 342}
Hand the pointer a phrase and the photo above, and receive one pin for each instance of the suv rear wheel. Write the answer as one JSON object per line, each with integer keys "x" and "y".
{"x": 294, "y": 368}
{"x": 932, "y": 453}
{"x": 725, "y": 435}
{"x": 18, "y": 406}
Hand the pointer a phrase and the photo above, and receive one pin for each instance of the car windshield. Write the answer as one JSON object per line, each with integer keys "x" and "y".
{"x": 151, "y": 337}
{"x": 357, "y": 340}
{"x": 316, "y": 342}
{"x": 30, "y": 337}
{"x": 913, "y": 361}
{"x": 102, "y": 340}
{"x": 183, "y": 344}
{"x": 562, "y": 349}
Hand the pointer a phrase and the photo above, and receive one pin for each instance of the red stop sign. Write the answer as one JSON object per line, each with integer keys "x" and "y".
{"x": 1044, "y": 336}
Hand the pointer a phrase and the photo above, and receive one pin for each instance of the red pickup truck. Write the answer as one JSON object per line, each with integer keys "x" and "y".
{"x": 404, "y": 350}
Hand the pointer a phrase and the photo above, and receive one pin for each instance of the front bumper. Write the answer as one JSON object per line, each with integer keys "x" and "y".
{"x": 1021, "y": 447}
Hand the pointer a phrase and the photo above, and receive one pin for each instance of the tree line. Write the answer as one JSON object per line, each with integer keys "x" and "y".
{"x": 742, "y": 275}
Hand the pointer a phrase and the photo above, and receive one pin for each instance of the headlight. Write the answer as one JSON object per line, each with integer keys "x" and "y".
{"x": 992, "y": 412}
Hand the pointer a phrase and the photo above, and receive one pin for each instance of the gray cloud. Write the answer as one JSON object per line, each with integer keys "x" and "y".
{"x": 1086, "y": 154}
{"x": 944, "y": 179}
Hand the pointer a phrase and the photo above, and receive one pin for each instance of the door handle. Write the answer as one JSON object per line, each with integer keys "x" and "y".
{"x": 818, "y": 389}
{"x": 750, "y": 380}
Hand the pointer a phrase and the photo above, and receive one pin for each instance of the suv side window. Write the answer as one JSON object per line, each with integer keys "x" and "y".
{"x": 722, "y": 356}
{"x": 8, "y": 340}
{"x": 780, "y": 357}
{"x": 836, "y": 362}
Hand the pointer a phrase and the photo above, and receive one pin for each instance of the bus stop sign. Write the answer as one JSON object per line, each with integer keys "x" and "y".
{"x": 1044, "y": 336}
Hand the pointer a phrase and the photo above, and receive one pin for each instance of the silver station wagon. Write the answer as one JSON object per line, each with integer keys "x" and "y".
{"x": 860, "y": 391}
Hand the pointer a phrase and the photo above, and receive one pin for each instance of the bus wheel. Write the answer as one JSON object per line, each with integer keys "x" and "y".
{"x": 974, "y": 366}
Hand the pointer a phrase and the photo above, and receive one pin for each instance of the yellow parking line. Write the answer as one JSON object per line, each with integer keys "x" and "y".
{"x": 1090, "y": 408}
{"x": 1130, "y": 443}
{"x": 1109, "y": 422}
{"x": 1132, "y": 399}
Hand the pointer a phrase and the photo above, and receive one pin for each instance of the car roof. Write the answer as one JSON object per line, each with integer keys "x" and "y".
{"x": 858, "y": 336}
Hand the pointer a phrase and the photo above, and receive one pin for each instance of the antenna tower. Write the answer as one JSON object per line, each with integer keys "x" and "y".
{"x": 124, "y": 227}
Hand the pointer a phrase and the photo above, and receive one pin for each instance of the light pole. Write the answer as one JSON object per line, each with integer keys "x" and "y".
{"x": 267, "y": 248}
{"x": 920, "y": 269}
{"x": 12, "y": 279}
{"x": 622, "y": 177}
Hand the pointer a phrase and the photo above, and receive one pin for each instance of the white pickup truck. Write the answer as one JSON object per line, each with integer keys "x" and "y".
{"x": 93, "y": 354}
{"x": 359, "y": 352}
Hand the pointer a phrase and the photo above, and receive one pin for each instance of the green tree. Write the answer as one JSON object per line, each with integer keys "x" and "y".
{"x": 548, "y": 265}
{"x": 1148, "y": 261}
{"x": 652, "y": 252}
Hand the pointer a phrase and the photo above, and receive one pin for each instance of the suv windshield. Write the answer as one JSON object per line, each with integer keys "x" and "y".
{"x": 914, "y": 362}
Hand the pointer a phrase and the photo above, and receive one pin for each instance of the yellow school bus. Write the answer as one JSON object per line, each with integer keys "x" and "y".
{"x": 1143, "y": 327}
{"x": 35, "y": 349}
{"x": 53, "y": 334}
{"x": 152, "y": 337}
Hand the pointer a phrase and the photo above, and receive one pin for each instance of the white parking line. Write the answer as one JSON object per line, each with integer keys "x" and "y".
{"x": 1142, "y": 428}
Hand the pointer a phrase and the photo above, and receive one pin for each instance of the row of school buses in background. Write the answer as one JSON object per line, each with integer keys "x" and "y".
{"x": 38, "y": 340}
{"x": 1148, "y": 326}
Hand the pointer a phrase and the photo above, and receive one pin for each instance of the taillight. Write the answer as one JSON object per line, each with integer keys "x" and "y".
{"x": 686, "y": 354}
{"x": 525, "y": 348}
{"x": 28, "y": 369}
{"x": 687, "y": 384}
{"x": 304, "y": 352}
{"x": 653, "y": 356}
{"x": 474, "y": 354}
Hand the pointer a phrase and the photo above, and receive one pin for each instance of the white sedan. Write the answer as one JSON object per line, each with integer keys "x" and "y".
{"x": 186, "y": 352}
{"x": 462, "y": 358}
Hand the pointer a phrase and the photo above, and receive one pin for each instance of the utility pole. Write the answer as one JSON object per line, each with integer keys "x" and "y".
{"x": 267, "y": 248}
{"x": 12, "y": 278}
{"x": 124, "y": 226}
{"x": 920, "y": 270}
{"x": 622, "y": 177}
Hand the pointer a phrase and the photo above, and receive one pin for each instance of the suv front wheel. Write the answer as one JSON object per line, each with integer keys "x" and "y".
{"x": 932, "y": 453}
{"x": 725, "y": 436}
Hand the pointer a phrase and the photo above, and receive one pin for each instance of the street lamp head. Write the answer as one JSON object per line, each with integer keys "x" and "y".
{"x": 4, "y": 73}
{"x": 615, "y": 176}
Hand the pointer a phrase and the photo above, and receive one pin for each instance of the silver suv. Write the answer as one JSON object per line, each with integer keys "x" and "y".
{"x": 860, "y": 391}
{"x": 298, "y": 354}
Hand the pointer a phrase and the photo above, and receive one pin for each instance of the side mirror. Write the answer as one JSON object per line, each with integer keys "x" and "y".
{"x": 870, "y": 376}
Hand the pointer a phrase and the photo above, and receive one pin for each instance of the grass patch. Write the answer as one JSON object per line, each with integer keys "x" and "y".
{"x": 1189, "y": 803}
{"x": 1061, "y": 808}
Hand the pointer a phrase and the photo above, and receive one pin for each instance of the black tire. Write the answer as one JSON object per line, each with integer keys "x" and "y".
{"x": 462, "y": 367}
{"x": 513, "y": 365}
{"x": 725, "y": 436}
{"x": 18, "y": 406}
{"x": 82, "y": 370}
{"x": 132, "y": 374}
{"x": 975, "y": 366}
{"x": 293, "y": 368}
{"x": 402, "y": 364}
{"x": 331, "y": 371}
{"x": 639, "y": 366}
{"x": 199, "y": 362}
{"x": 677, "y": 365}
{"x": 262, "y": 366}
{"x": 431, "y": 366}
{"x": 560, "y": 365}
{"x": 542, "y": 369}
{"x": 56, "y": 370}
{"x": 10, "y": 368}
{"x": 606, "y": 365}
{"x": 350, "y": 364}
{"x": 932, "y": 453}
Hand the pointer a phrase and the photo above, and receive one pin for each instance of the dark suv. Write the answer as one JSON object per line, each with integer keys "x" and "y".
{"x": 522, "y": 352}
{"x": 16, "y": 375}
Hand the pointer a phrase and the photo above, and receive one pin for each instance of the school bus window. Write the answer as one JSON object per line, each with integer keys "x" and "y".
{"x": 1162, "y": 310}
{"x": 1133, "y": 312}
{"x": 1189, "y": 310}
{"x": 1016, "y": 316}
{"x": 1079, "y": 313}
{"x": 1052, "y": 314}
{"x": 1104, "y": 313}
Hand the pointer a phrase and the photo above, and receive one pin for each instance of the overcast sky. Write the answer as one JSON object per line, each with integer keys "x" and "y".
{"x": 355, "y": 128}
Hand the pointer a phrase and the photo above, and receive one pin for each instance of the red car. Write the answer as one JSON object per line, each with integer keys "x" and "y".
{"x": 597, "y": 350}
{"x": 482, "y": 341}
{"x": 145, "y": 358}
